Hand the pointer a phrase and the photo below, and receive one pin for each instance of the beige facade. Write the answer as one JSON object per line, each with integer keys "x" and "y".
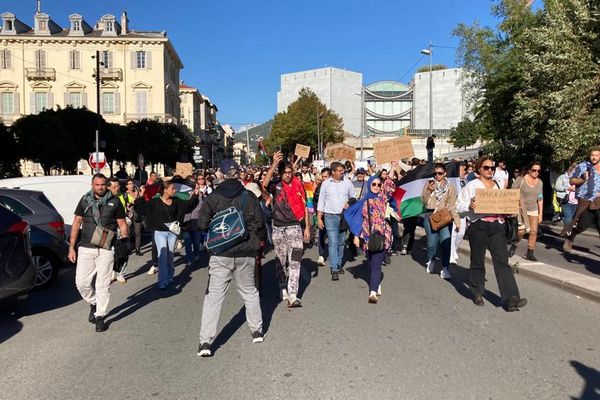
{"x": 46, "y": 65}
{"x": 190, "y": 99}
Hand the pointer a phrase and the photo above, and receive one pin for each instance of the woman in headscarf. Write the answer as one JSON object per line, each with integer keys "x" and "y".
{"x": 365, "y": 218}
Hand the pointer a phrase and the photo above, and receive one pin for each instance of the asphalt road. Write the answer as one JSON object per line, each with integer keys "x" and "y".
{"x": 424, "y": 340}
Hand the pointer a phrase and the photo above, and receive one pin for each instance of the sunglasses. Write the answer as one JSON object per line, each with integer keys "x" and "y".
{"x": 440, "y": 173}
{"x": 535, "y": 170}
{"x": 376, "y": 184}
{"x": 488, "y": 168}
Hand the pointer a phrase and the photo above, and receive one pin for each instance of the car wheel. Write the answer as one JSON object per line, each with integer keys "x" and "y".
{"x": 46, "y": 266}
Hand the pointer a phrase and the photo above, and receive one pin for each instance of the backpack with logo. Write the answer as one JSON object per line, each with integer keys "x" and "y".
{"x": 227, "y": 228}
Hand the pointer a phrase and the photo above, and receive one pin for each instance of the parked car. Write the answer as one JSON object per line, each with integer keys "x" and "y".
{"x": 17, "y": 271}
{"x": 48, "y": 245}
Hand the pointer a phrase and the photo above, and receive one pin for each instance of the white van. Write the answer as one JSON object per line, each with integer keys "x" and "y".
{"x": 63, "y": 191}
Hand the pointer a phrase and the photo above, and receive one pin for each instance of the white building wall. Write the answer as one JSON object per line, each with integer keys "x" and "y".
{"x": 449, "y": 106}
{"x": 338, "y": 89}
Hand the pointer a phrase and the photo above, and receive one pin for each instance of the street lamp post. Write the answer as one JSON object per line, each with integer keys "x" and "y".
{"x": 362, "y": 122}
{"x": 429, "y": 52}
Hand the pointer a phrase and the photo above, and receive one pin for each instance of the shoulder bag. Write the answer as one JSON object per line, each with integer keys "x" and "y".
{"x": 440, "y": 217}
{"x": 376, "y": 243}
{"x": 175, "y": 226}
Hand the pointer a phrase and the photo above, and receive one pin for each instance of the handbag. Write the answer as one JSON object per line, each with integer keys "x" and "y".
{"x": 440, "y": 219}
{"x": 376, "y": 243}
{"x": 174, "y": 227}
{"x": 102, "y": 238}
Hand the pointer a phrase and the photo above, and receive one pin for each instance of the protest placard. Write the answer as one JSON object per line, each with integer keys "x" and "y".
{"x": 394, "y": 149}
{"x": 183, "y": 169}
{"x": 340, "y": 151}
{"x": 302, "y": 151}
{"x": 497, "y": 201}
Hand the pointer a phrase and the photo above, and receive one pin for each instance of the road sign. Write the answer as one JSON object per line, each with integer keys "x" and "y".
{"x": 97, "y": 164}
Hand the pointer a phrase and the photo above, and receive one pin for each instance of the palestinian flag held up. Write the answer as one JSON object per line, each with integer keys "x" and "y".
{"x": 408, "y": 192}
{"x": 261, "y": 148}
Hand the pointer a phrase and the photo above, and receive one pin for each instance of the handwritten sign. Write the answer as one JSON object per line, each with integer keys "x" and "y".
{"x": 496, "y": 201}
{"x": 340, "y": 151}
{"x": 394, "y": 149}
{"x": 183, "y": 169}
{"x": 302, "y": 151}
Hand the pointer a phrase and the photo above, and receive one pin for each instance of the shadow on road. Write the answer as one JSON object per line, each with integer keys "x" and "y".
{"x": 591, "y": 378}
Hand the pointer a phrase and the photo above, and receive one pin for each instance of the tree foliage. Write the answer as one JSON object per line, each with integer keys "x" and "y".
{"x": 535, "y": 79}
{"x": 465, "y": 134}
{"x": 299, "y": 125}
{"x": 10, "y": 153}
{"x": 434, "y": 67}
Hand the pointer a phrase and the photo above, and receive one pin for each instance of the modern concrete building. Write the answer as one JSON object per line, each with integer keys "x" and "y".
{"x": 449, "y": 104}
{"x": 338, "y": 89}
{"x": 388, "y": 108}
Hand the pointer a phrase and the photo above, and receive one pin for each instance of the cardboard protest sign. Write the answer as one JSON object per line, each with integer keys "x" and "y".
{"x": 340, "y": 151}
{"x": 497, "y": 201}
{"x": 394, "y": 149}
{"x": 302, "y": 151}
{"x": 183, "y": 169}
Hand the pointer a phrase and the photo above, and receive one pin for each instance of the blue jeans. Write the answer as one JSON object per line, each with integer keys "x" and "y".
{"x": 336, "y": 241}
{"x": 165, "y": 244}
{"x": 568, "y": 211}
{"x": 192, "y": 240}
{"x": 443, "y": 237}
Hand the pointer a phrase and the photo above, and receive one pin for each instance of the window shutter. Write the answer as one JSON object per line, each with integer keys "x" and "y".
{"x": 84, "y": 99}
{"x": 148, "y": 60}
{"x": 72, "y": 59}
{"x": 50, "y": 103}
{"x": 110, "y": 60}
{"x": 77, "y": 56}
{"x": 2, "y": 58}
{"x": 40, "y": 59}
{"x": 7, "y": 59}
{"x": 133, "y": 60}
{"x": 32, "y": 108}
{"x": 117, "y": 97}
{"x": 67, "y": 99}
{"x": 17, "y": 100}
{"x": 102, "y": 103}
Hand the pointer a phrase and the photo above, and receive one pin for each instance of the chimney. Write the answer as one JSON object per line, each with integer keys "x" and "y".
{"x": 124, "y": 23}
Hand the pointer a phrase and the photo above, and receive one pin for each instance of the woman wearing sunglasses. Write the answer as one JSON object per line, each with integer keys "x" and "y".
{"x": 532, "y": 206}
{"x": 439, "y": 194}
{"x": 366, "y": 220}
{"x": 488, "y": 231}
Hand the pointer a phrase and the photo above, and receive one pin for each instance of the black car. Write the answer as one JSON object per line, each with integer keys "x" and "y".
{"x": 48, "y": 245}
{"x": 17, "y": 271}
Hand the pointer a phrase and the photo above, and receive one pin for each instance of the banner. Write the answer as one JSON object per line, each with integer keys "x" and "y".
{"x": 394, "y": 149}
{"x": 497, "y": 201}
{"x": 302, "y": 151}
{"x": 340, "y": 151}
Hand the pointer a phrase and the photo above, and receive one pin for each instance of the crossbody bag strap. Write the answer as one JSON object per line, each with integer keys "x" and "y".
{"x": 369, "y": 218}
{"x": 166, "y": 209}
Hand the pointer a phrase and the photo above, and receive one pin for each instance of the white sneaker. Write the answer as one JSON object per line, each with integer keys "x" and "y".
{"x": 445, "y": 274}
{"x": 431, "y": 266}
{"x": 379, "y": 290}
{"x": 284, "y": 295}
{"x": 152, "y": 270}
{"x": 121, "y": 278}
{"x": 321, "y": 260}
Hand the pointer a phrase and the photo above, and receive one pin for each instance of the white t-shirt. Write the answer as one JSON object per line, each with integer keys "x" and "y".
{"x": 501, "y": 176}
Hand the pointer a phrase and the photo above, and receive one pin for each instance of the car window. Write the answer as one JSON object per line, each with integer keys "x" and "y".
{"x": 15, "y": 206}
{"x": 45, "y": 200}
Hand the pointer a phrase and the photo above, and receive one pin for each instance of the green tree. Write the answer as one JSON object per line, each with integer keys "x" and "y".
{"x": 465, "y": 134}
{"x": 298, "y": 124}
{"x": 434, "y": 67}
{"x": 10, "y": 154}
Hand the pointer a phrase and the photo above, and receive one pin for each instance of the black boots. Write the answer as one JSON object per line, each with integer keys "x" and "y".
{"x": 511, "y": 250}
{"x": 100, "y": 324}
{"x": 530, "y": 256}
{"x": 92, "y": 317}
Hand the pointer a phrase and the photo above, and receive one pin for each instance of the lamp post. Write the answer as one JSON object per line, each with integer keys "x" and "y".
{"x": 429, "y": 52}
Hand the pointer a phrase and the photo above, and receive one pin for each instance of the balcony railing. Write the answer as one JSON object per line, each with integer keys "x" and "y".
{"x": 111, "y": 74}
{"x": 41, "y": 74}
{"x": 8, "y": 119}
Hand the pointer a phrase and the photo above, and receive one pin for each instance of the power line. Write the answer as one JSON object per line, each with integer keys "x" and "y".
{"x": 411, "y": 68}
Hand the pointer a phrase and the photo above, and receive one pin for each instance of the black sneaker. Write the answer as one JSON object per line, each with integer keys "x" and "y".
{"x": 295, "y": 304}
{"x": 92, "y": 316}
{"x": 100, "y": 324}
{"x": 387, "y": 260}
{"x": 335, "y": 276}
{"x": 204, "y": 350}
{"x": 514, "y": 304}
{"x": 341, "y": 271}
{"x": 257, "y": 337}
{"x": 404, "y": 251}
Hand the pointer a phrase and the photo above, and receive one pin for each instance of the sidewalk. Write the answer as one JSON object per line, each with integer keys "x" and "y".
{"x": 574, "y": 282}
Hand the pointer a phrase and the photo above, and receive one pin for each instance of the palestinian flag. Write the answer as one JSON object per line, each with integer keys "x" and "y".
{"x": 408, "y": 192}
{"x": 261, "y": 149}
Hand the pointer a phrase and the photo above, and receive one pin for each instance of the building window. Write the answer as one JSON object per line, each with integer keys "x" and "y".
{"x": 141, "y": 103}
{"x": 140, "y": 59}
{"x": 106, "y": 59}
{"x": 108, "y": 103}
{"x": 75, "y": 99}
{"x": 74, "y": 59}
{"x": 42, "y": 25}
{"x": 8, "y": 103}
{"x": 9, "y": 25}
{"x": 5, "y": 59}
{"x": 41, "y": 101}
{"x": 109, "y": 26}
{"x": 40, "y": 58}
{"x": 76, "y": 26}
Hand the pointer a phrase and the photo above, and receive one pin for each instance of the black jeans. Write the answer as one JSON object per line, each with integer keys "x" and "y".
{"x": 408, "y": 235}
{"x": 396, "y": 238}
{"x": 587, "y": 219}
{"x": 139, "y": 232}
{"x": 490, "y": 236}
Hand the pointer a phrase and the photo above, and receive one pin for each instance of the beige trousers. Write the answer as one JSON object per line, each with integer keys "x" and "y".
{"x": 99, "y": 263}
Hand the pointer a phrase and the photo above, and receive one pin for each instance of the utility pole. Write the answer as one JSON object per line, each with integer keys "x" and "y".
{"x": 98, "y": 81}
{"x": 247, "y": 145}
{"x": 362, "y": 122}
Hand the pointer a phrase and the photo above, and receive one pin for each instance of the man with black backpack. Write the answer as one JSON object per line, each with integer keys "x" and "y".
{"x": 232, "y": 256}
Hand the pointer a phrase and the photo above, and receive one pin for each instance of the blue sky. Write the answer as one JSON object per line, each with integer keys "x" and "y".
{"x": 234, "y": 51}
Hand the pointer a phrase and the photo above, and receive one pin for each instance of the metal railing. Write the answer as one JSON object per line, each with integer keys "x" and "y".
{"x": 40, "y": 73}
{"x": 111, "y": 74}
{"x": 165, "y": 118}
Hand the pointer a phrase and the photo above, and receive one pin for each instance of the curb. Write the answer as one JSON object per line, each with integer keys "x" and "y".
{"x": 573, "y": 282}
